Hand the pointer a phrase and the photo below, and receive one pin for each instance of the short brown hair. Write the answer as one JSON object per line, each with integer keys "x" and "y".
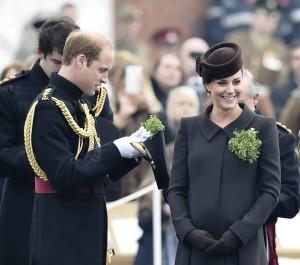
{"x": 80, "y": 42}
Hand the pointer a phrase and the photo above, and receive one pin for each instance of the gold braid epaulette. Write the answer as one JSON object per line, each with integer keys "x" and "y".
{"x": 89, "y": 131}
{"x": 100, "y": 101}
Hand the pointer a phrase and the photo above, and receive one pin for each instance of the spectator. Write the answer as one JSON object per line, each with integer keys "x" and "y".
{"x": 69, "y": 10}
{"x": 263, "y": 54}
{"x": 131, "y": 109}
{"x": 189, "y": 50}
{"x": 129, "y": 23}
{"x": 182, "y": 102}
{"x": 225, "y": 16}
{"x": 167, "y": 74}
{"x": 144, "y": 254}
{"x": 12, "y": 69}
{"x": 287, "y": 97}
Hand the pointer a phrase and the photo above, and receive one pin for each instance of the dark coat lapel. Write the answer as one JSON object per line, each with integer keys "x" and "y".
{"x": 210, "y": 129}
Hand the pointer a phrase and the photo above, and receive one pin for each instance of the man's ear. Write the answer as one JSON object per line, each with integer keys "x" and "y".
{"x": 255, "y": 99}
{"x": 40, "y": 53}
{"x": 80, "y": 60}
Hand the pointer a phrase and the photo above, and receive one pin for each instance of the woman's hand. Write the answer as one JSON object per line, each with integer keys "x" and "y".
{"x": 228, "y": 242}
{"x": 200, "y": 239}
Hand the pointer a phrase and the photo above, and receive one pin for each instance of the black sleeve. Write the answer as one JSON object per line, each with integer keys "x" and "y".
{"x": 288, "y": 205}
{"x": 55, "y": 145}
{"x": 13, "y": 158}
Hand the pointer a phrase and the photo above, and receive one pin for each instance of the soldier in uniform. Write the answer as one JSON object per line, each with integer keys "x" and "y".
{"x": 288, "y": 205}
{"x": 264, "y": 54}
{"x": 16, "y": 94}
{"x": 129, "y": 25}
{"x": 290, "y": 114}
{"x": 70, "y": 161}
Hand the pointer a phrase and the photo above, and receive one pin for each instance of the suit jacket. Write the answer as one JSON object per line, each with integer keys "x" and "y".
{"x": 213, "y": 190}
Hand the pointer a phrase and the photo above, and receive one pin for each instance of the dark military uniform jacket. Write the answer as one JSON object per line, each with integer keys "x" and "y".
{"x": 213, "y": 190}
{"x": 288, "y": 205}
{"x": 259, "y": 58}
{"x": 16, "y": 96}
{"x": 70, "y": 227}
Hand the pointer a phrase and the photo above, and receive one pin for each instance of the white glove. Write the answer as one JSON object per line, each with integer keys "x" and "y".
{"x": 125, "y": 148}
{"x": 142, "y": 134}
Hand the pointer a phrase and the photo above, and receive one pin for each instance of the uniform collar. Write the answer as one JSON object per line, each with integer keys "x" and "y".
{"x": 210, "y": 129}
{"x": 70, "y": 91}
{"x": 38, "y": 73}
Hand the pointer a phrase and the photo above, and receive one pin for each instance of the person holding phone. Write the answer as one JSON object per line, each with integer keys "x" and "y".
{"x": 134, "y": 102}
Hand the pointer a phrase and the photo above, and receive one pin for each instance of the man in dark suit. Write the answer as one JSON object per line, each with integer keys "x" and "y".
{"x": 69, "y": 212}
{"x": 288, "y": 205}
{"x": 16, "y": 95}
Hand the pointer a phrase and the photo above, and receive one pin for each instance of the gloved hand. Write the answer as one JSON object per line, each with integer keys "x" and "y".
{"x": 228, "y": 242}
{"x": 124, "y": 143}
{"x": 200, "y": 239}
{"x": 125, "y": 147}
{"x": 142, "y": 134}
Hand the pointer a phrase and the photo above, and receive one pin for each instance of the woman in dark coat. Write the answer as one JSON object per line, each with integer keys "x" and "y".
{"x": 222, "y": 190}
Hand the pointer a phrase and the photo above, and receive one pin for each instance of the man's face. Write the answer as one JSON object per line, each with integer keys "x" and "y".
{"x": 96, "y": 73}
{"x": 50, "y": 63}
{"x": 190, "y": 50}
{"x": 246, "y": 97}
{"x": 168, "y": 74}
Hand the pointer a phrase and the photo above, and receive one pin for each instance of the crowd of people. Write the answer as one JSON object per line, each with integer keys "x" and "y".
{"x": 229, "y": 107}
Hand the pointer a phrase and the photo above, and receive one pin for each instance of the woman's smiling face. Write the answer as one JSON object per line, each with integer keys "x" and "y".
{"x": 226, "y": 92}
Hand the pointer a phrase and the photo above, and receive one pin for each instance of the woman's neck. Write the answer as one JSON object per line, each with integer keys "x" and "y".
{"x": 223, "y": 118}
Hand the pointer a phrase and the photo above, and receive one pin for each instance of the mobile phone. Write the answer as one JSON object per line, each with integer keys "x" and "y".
{"x": 133, "y": 78}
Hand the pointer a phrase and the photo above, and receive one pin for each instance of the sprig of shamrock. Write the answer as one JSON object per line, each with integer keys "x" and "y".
{"x": 153, "y": 125}
{"x": 245, "y": 145}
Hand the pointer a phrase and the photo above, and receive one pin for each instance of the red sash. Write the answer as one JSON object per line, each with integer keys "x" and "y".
{"x": 271, "y": 231}
{"x": 43, "y": 187}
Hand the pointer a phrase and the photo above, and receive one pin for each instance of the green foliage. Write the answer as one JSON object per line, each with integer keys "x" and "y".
{"x": 153, "y": 125}
{"x": 245, "y": 145}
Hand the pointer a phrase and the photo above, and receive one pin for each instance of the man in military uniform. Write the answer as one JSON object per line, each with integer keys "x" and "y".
{"x": 281, "y": 94}
{"x": 264, "y": 54}
{"x": 129, "y": 25}
{"x": 63, "y": 148}
{"x": 288, "y": 205}
{"x": 290, "y": 114}
{"x": 16, "y": 96}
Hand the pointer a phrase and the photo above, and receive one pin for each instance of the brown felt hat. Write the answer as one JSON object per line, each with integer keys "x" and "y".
{"x": 220, "y": 61}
